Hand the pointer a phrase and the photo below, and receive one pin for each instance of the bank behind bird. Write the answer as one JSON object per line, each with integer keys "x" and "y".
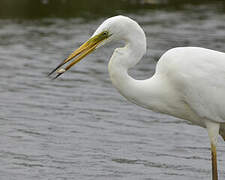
{"x": 188, "y": 82}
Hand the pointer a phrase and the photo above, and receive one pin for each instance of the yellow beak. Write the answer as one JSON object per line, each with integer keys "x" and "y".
{"x": 81, "y": 52}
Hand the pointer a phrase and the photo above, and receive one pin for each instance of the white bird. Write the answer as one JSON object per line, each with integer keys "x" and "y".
{"x": 189, "y": 82}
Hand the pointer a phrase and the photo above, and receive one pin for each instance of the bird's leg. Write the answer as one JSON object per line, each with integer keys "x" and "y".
{"x": 213, "y": 131}
{"x": 214, "y": 162}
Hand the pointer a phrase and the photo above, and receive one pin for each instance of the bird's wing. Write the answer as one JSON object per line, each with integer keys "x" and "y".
{"x": 198, "y": 75}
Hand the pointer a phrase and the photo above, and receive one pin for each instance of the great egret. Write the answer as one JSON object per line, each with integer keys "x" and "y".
{"x": 189, "y": 82}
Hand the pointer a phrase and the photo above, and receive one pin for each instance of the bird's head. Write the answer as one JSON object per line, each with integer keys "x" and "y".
{"x": 114, "y": 28}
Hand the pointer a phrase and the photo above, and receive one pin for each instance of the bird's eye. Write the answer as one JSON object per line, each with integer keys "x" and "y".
{"x": 105, "y": 33}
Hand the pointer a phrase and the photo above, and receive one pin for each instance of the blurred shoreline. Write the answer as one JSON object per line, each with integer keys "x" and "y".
{"x": 91, "y": 9}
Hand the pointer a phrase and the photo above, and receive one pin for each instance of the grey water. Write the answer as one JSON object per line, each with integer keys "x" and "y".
{"x": 78, "y": 126}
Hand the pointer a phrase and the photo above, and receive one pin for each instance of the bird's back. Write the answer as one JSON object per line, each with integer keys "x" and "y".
{"x": 197, "y": 75}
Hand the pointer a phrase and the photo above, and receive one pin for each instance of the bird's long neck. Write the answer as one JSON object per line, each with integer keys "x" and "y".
{"x": 118, "y": 71}
{"x": 125, "y": 58}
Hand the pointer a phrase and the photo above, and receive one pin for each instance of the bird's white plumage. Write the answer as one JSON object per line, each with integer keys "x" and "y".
{"x": 189, "y": 82}
{"x": 198, "y": 77}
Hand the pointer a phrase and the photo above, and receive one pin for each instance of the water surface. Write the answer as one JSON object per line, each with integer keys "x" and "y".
{"x": 79, "y": 126}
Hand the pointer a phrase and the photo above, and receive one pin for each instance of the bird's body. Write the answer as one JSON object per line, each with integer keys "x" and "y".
{"x": 189, "y": 82}
{"x": 195, "y": 75}
{"x": 176, "y": 88}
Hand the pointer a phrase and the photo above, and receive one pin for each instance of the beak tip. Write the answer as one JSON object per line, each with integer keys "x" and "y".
{"x": 59, "y": 74}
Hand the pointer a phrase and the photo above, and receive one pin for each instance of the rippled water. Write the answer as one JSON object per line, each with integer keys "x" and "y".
{"x": 79, "y": 126}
